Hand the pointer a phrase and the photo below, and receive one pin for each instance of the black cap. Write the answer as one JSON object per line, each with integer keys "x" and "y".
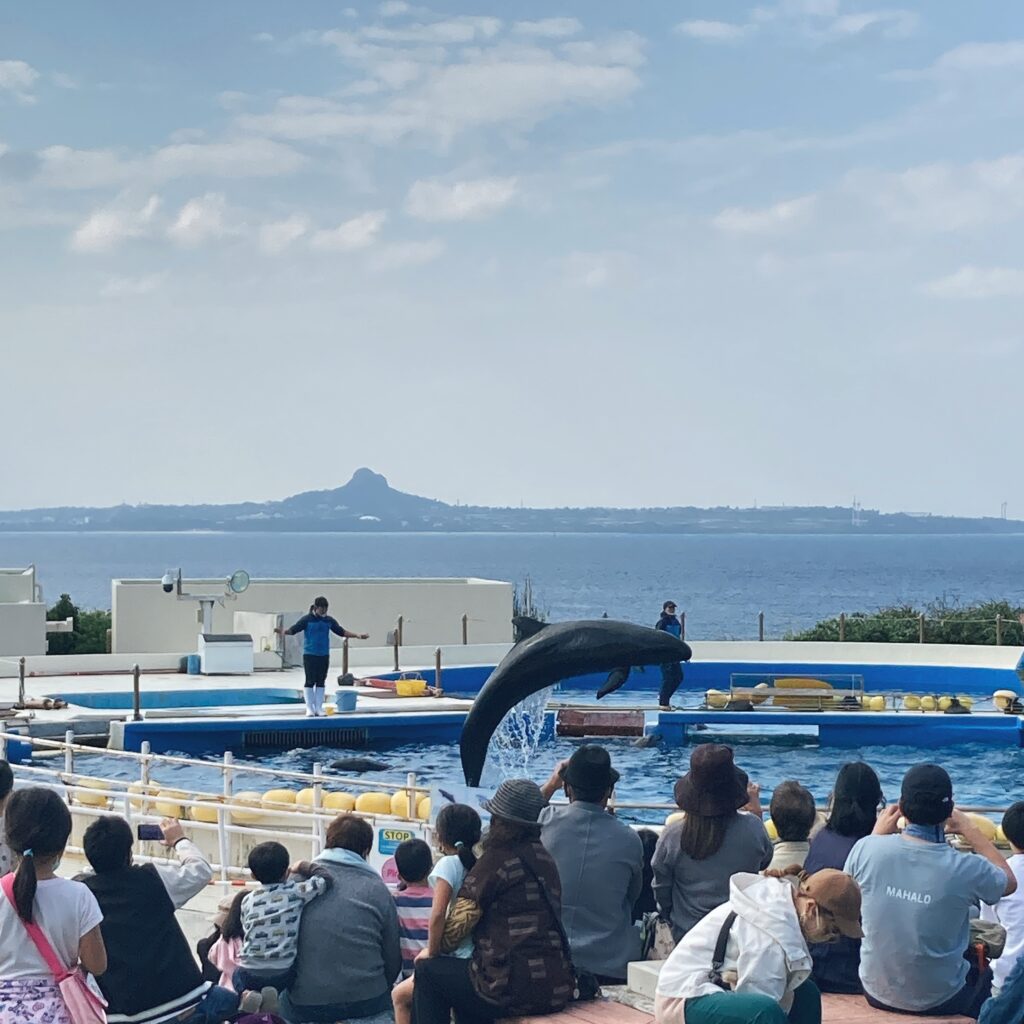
{"x": 926, "y": 797}
{"x": 590, "y": 769}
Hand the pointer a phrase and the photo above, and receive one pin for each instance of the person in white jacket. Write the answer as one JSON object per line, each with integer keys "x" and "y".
{"x": 761, "y": 936}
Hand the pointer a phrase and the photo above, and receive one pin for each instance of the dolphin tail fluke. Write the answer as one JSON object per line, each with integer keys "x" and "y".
{"x": 616, "y": 679}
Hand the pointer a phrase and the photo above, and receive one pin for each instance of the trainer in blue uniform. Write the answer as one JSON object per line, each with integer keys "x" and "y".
{"x": 317, "y": 628}
{"x": 671, "y": 672}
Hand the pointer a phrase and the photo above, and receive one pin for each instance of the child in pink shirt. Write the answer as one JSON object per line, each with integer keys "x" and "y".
{"x": 225, "y": 952}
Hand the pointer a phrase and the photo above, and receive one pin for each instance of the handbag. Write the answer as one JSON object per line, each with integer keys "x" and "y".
{"x": 718, "y": 957}
{"x": 83, "y": 1005}
{"x": 585, "y": 985}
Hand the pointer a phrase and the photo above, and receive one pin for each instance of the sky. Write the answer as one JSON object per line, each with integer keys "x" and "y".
{"x": 700, "y": 252}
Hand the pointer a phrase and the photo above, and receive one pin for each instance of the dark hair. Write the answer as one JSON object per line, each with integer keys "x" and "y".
{"x": 458, "y": 826}
{"x": 702, "y": 835}
{"x": 350, "y": 832}
{"x": 108, "y": 844}
{"x": 6, "y": 779}
{"x": 505, "y": 833}
{"x": 38, "y": 824}
{"x": 856, "y": 799}
{"x": 268, "y": 862}
{"x": 319, "y": 602}
{"x": 232, "y": 926}
{"x": 1013, "y": 824}
{"x": 792, "y": 810}
{"x": 668, "y": 604}
{"x": 413, "y": 860}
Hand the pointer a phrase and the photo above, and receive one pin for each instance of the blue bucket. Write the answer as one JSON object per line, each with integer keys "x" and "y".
{"x": 193, "y": 664}
{"x": 346, "y": 700}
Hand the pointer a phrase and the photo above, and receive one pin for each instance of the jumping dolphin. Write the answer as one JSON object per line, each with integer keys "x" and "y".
{"x": 557, "y": 652}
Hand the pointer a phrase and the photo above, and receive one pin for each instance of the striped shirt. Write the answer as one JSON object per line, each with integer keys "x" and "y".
{"x": 413, "y": 905}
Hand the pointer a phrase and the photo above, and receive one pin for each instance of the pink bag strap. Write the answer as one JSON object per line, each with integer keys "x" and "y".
{"x": 35, "y": 933}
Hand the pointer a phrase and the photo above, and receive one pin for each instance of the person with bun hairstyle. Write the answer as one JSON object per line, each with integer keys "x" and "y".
{"x": 457, "y": 831}
{"x": 317, "y": 627}
{"x": 38, "y": 824}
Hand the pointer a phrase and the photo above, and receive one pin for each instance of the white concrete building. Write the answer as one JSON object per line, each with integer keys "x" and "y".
{"x": 148, "y": 620}
{"x": 22, "y": 614}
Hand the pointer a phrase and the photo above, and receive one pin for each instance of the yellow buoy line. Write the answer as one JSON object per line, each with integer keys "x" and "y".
{"x": 1003, "y": 701}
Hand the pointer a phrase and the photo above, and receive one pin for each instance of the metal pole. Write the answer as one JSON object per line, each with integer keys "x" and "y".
{"x": 144, "y": 773}
{"x": 21, "y": 682}
{"x": 222, "y": 816}
{"x": 465, "y": 630}
{"x": 437, "y": 670}
{"x": 410, "y": 781}
{"x": 760, "y": 625}
{"x": 398, "y": 628}
{"x": 344, "y": 657}
{"x": 842, "y": 627}
{"x": 318, "y": 803}
{"x": 999, "y": 630}
{"x": 920, "y": 628}
{"x": 69, "y": 754}
{"x": 396, "y": 649}
{"x": 136, "y": 696}
{"x": 682, "y": 625}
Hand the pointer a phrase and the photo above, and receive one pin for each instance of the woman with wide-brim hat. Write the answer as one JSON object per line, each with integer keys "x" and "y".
{"x": 511, "y": 905}
{"x": 718, "y": 837}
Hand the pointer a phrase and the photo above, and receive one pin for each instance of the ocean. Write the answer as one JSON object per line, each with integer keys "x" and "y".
{"x": 722, "y": 582}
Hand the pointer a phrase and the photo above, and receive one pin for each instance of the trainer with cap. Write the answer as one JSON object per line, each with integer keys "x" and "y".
{"x": 918, "y": 895}
{"x": 721, "y": 834}
{"x": 671, "y": 672}
{"x": 747, "y": 962}
{"x": 600, "y": 862}
{"x": 511, "y": 904}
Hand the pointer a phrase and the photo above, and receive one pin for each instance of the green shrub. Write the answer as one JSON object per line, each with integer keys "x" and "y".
{"x": 90, "y": 629}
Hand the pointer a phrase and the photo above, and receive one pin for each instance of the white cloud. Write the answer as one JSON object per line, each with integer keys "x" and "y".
{"x": 972, "y": 282}
{"x": 713, "y": 31}
{"x": 625, "y": 48}
{"x": 106, "y": 229}
{"x": 279, "y": 235}
{"x": 263, "y": 37}
{"x": 782, "y": 215}
{"x": 594, "y": 269}
{"x": 202, "y": 219}
{"x": 397, "y": 255}
{"x": 393, "y": 8}
{"x": 18, "y": 78}
{"x": 548, "y": 28}
{"x": 982, "y": 57}
{"x": 463, "y": 29}
{"x": 125, "y": 287}
{"x": 357, "y": 233}
{"x": 65, "y": 167}
{"x": 63, "y": 81}
{"x": 462, "y": 200}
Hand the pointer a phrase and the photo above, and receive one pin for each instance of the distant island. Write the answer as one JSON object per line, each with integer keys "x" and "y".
{"x": 368, "y": 504}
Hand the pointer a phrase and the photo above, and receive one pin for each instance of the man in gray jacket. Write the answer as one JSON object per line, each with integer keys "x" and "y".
{"x": 349, "y": 954}
{"x": 600, "y": 863}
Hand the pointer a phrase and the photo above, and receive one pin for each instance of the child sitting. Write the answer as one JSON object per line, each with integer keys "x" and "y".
{"x": 792, "y": 812}
{"x": 270, "y": 926}
{"x": 1009, "y": 911}
{"x": 225, "y": 951}
{"x": 457, "y": 830}
{"x": 414, "y": 861}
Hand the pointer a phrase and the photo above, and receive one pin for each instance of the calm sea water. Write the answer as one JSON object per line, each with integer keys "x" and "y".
{"x": 722, "y": 582}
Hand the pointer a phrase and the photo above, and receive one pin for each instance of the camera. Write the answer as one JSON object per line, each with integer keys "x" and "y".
{"x": 168, "y": 583}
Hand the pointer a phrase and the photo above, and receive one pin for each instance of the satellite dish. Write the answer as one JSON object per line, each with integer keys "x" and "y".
{"x": 239, "y": 582}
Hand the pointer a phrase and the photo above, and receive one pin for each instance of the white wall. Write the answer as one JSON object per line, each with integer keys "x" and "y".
{"x": 146, "y": 620}
{"x": 17, "y": 586}
{"x": 22, "y": 630}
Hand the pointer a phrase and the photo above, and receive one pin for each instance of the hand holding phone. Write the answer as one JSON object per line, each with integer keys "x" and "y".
{"x": 150, "y": 833}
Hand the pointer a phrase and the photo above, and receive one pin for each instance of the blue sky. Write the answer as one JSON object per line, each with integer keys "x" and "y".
{"x": 658, "y": 253}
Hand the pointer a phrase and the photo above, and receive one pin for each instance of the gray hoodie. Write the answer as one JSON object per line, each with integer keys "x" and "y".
{"x": 348, "y": 939}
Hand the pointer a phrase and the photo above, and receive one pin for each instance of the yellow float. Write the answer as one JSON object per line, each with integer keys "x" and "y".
{"x": 945, "y": 703}
{"x": 400, "y": 804}
{"x": 280, "y": 799}
{"x": 986, "y": 826}
{"x": 773, "y": 832}
{"x": 757, "y": 700}
{"x": 340, "y": 803}
{"x": 373, "y": 803}
{"x": 168, "y": 803}
{"x": 1001, "y": 836}
{"x": 137, "y": 803}
{"x": 207, "y": 812}
{"x": 304, "y": 798}
{"x": 927, "y": 703}
{"x": 423, "y": 809}
{"x": 716, "y": 699}
{"x": 875, "y": 703}
{"x": 1003, "y": 699}
{"x": 247, "y": 798}
{"x": 912, "y": 702}
{"x": 674, "y": 817}
{"x": 93, "y": 799}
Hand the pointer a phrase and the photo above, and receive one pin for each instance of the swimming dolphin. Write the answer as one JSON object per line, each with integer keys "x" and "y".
{"x": 359, "y": 765}
{"x": 556, "y": 652}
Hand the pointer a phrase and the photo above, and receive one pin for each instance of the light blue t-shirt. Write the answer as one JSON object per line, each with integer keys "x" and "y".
{"x": 915, "y": 908}
{"x": 452, "y": 870}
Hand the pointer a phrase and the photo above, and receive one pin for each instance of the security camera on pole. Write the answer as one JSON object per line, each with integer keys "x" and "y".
{"x": 219, "y": 653}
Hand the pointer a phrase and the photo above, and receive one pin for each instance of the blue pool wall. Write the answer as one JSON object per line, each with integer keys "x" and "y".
{"x": 184, "y": 698}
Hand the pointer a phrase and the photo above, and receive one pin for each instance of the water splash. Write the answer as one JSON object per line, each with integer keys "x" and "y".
{"x": 516, "y": 740}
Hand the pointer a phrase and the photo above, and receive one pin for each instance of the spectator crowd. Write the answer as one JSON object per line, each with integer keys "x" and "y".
{"x": 545, "y": 903}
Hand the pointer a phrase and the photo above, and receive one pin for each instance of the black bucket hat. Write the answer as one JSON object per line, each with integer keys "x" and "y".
{"x": 714, "y": 785}
{"x": 590, "y": 769}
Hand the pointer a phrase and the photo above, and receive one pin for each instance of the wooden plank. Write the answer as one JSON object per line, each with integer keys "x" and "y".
{"x": 836, "y": 1009}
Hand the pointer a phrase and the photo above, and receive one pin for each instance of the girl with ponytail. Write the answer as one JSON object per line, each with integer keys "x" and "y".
{"x": 457, "y": 831}
{"x": 38, "y": 825}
